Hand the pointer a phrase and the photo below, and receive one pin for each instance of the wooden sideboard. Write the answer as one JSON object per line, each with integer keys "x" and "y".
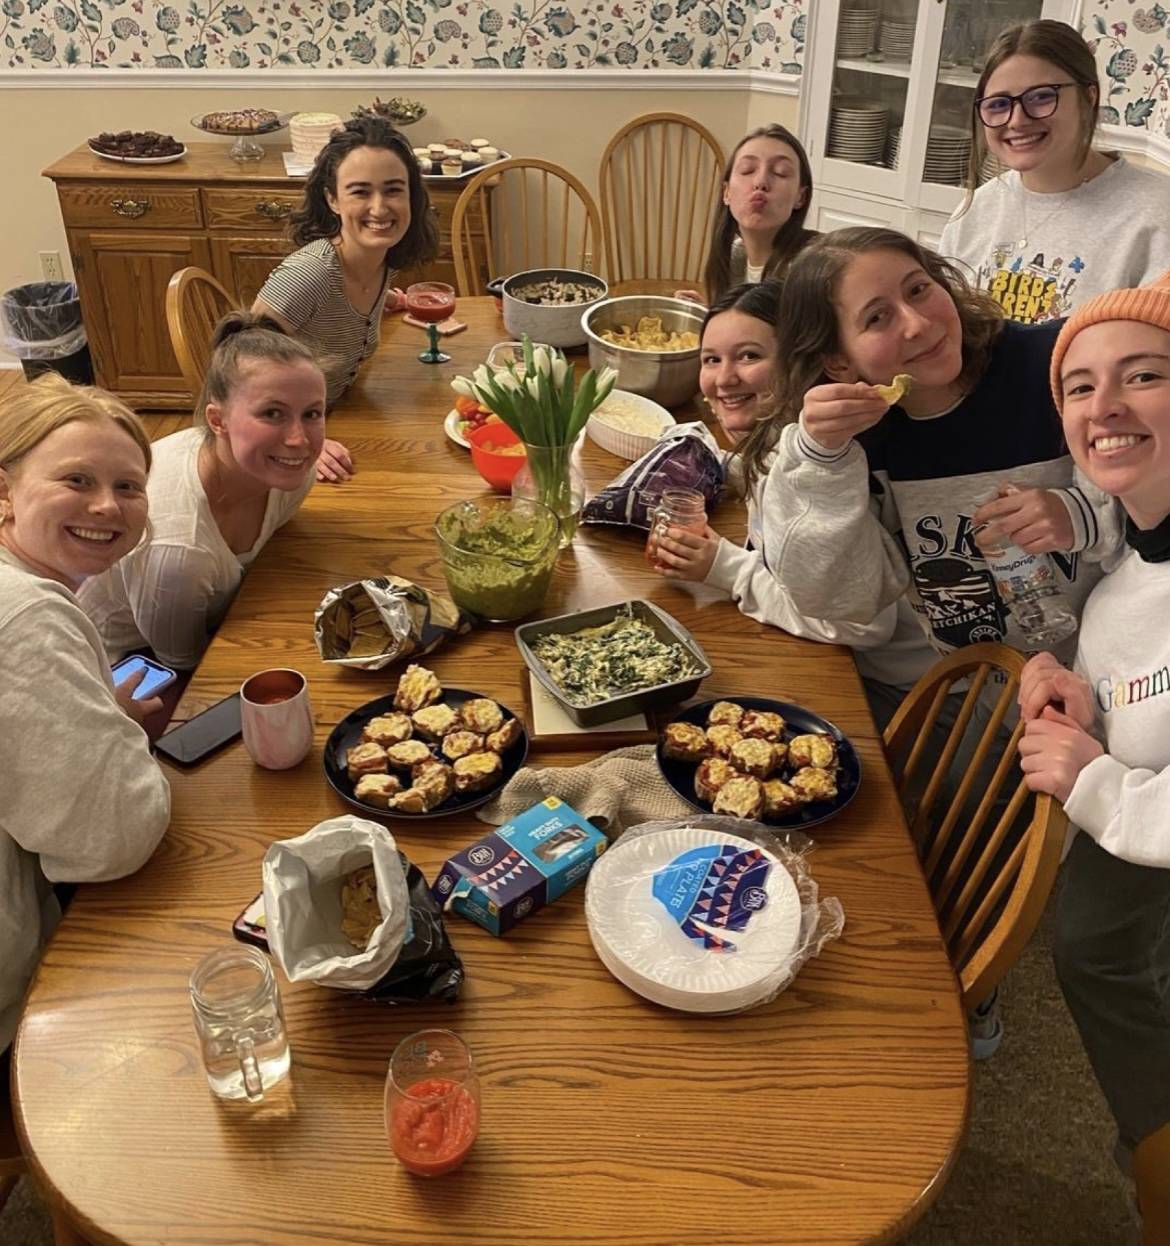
{"x": 130, "y": 227}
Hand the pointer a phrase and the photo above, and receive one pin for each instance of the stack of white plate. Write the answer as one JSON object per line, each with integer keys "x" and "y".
{"x": 857, "y": 131}
{"x": 893, "y": 147}
{"x": 896, "y": 39}
{"x": 948, "y": 151}
{"x": 856, "y": 31}
{"x": 990, "y": 168}
{"x": 694, "y": 919}
{"x": 310, "y": 132}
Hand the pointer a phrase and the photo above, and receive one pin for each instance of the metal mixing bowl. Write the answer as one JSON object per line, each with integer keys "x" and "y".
{"x": 669, "y": 377}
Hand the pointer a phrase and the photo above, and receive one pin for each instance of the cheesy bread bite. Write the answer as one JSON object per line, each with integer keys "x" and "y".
{"x": 711, "y": 776}
{"x": 407, "y": 754}
{"x": 762, "y": 725}
{"x": 813, "y": 783}
{"x": 754, "y": 757}
{"x": 502, "y": 740}
{"x": 413, "y": 800}
{"x": 817, "y": 749}
{"x": 725, "y": 713}
{"x": 685, "y": 742}
{"x": 387, "y": 729}
{"x": 741, "y": 797}
{"x": 476, "y": 771}
{"x": 482, "y": 716}
{"x": 435, "y": 780}
{"x": 433, "y": 722}
{"x": 780, "y": 799}
{"x": 721, "y": 737}
{"x": 417, "y": 687}
{"x": 376, "y": 789}
{"x": 367, "y": 758}
{"x": 460, "y": 743}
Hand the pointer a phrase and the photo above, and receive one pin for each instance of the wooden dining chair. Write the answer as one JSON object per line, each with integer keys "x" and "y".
{"x": 520, "y": 214}
{"x": 660, "y": 183}
{"x": 12, "y": 1162}
{"x": 195, "y": 304}
{"x": 989, "y": 848}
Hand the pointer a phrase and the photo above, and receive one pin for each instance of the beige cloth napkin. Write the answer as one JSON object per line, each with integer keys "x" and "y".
{"x": 615, "y": 791}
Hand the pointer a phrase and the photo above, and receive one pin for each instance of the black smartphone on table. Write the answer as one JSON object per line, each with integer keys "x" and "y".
{"x": 202, "y": 735}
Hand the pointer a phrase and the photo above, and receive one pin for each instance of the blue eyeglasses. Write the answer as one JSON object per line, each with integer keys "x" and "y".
{"x": 995, "y": 111}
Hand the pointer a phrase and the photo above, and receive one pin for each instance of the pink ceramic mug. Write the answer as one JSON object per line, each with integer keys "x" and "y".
{"x": 277, "y": 718}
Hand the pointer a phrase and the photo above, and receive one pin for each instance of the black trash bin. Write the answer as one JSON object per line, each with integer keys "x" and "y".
{"x": 41, "y": 325}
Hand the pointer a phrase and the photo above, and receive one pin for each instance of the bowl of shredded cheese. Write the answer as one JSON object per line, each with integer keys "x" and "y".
{"x": 627, "y": 424}
{"x": 652, "y": 341}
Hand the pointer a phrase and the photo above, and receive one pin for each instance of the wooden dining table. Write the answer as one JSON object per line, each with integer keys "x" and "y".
{"x": 830, "y": 1116}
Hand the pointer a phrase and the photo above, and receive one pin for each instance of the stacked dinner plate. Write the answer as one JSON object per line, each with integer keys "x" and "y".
{"x": 856, "y": 31}
{"x": 893, "y": 147}
{"x": 896, "y": 39}
{"x": 309, "y": 132}
{"x": 857, "y": 131}
{"x": 948, "y": 150}
{"x": 694, "y": 918}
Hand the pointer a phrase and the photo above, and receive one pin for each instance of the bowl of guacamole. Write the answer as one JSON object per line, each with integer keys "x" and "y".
{"x": 498, "y": 555}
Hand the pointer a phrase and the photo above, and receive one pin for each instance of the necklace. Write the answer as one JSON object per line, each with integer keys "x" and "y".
{"x": 1064, "y": 196}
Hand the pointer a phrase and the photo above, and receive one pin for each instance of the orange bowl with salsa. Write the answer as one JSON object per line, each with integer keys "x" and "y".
{"x": 498, "y": 454}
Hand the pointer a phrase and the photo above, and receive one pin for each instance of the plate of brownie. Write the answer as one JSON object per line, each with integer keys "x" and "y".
{"x": 137, "y": 147}
{"x": 757, "y": 758}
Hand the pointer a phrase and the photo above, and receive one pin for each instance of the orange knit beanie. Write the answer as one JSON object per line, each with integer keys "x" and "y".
{"x": 1148, "y": 304}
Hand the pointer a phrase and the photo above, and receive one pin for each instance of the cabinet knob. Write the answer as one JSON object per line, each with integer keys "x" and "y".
{"x": 274, "y": 210}
{"x": 130, "y": 207}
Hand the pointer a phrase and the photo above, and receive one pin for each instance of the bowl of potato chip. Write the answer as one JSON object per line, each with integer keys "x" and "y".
{"x": 652, "y": 341}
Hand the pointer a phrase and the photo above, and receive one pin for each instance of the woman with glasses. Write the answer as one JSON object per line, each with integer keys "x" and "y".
{"x": 1063, "y": 221}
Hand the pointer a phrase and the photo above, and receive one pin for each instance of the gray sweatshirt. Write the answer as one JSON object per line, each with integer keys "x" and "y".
{"x": 1039, "y": 256}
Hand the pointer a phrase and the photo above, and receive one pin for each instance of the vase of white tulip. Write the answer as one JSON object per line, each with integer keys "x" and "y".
{"x": 544, "y": 405}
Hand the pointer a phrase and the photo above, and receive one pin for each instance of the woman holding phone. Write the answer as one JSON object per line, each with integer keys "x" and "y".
{"x": 84, "y": 801}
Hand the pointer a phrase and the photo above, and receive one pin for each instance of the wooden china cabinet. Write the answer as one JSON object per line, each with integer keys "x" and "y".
{"x": 130, "y": 227}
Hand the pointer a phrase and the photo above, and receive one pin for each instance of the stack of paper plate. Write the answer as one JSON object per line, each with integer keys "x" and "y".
{"x": 694, "y": 919}
{"x": 948, "y": 150}
{"x": 856, "y": 31}
{"x": 896, "y": 39}
{"x": 857, "y": 131}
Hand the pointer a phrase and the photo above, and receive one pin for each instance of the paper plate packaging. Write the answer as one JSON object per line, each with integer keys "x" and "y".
{"x": 709, "y": 914}
{"x": 521, "y": 866}
{"x": 372, "y": 623}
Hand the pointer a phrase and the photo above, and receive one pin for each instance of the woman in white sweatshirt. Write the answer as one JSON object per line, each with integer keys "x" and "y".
{"x": 83, "y": 800}
{"x": 1099, "y": 739}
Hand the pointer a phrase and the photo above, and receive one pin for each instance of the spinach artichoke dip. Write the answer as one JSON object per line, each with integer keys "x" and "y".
{"x": 599, "y": 663}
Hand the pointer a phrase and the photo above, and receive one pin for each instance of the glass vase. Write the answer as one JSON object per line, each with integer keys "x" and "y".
{"x": 549, "y": 476}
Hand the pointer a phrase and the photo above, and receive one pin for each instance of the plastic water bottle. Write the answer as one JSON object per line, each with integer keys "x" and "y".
{"x": 1028, "y": 587}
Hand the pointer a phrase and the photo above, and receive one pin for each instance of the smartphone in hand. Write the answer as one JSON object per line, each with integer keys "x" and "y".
{"x": 157, "y": 678}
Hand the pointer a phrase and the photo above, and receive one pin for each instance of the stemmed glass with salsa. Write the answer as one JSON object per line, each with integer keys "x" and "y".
{"x": 432, "y": 1102}
{"x": 431, "y": 302}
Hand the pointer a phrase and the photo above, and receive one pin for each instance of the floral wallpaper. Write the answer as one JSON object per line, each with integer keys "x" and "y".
{"x": 763, "y": 35}
{"x": 404, "y": 34}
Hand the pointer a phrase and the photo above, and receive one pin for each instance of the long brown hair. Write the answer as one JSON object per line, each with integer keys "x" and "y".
{"x": 315, "y": 219}
{"x": 807, "y": 329}
{"x": 790, "y": 237}
{"x": 1047, "y": 41}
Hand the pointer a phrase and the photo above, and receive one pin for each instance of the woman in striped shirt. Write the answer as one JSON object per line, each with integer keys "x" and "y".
{"x": 365, "y": 214}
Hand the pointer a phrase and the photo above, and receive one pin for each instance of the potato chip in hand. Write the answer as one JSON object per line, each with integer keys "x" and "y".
{"x": 892, "y": 392}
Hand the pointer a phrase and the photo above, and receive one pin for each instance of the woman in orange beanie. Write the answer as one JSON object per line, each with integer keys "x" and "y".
{"x": 1098, "y": 739}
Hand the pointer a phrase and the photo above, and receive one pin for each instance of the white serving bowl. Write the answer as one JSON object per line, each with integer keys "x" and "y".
{"x": 627, "y": 445}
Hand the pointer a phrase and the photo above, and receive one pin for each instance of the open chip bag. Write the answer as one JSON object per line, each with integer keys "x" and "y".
{"x": 685, "y": 457}
{"x": 372, "y": 623}
{"x": 708, "y": 914}
{"x": 345, "y": 909}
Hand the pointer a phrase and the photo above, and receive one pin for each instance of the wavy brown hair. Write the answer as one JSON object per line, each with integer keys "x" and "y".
{"x": 790, "y": 237}
{"x": 315, "y": 219}
{"x": 1047, "y": 41}
{"x": 808, "y": 332}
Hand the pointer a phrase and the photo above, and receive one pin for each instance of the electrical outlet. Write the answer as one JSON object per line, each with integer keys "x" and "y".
{"x": 51, "y": 268}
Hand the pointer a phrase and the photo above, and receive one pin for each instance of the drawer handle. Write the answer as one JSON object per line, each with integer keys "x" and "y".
{"x": 273, "y": 210}
{"x": 130, "y": 207}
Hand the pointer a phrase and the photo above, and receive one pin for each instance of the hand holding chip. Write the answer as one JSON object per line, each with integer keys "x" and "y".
{"x": 836, "y": 413}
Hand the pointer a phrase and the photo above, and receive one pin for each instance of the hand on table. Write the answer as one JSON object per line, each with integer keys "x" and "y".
{"x": 124, "y": 694}
{"x": 687, "y": 555}
{"x": 1053, "y": 752}
{"x": 834, "y": 414}
{"x": 395, "y": 301}
{"x": 335, "y": 464}
{"x": 1034, "y": 519}
{"x": 1046, "y": 683}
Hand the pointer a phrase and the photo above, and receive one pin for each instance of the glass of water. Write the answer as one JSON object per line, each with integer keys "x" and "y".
{"x": 239, "y": 1022}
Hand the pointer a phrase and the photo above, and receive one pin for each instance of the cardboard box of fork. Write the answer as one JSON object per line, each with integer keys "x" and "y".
{"x": 526, "y": 863}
